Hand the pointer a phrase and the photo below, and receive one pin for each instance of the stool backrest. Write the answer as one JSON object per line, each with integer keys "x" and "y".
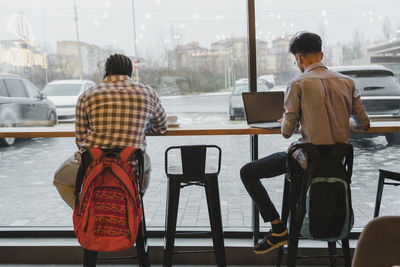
{"x": 193, "y": 160}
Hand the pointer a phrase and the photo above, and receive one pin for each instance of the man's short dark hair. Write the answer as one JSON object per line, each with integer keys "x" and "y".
{"x": 305, "y": 42}
{"x": 118, "y": 64}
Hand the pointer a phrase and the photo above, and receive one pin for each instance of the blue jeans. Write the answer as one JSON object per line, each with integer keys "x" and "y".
{"x": 251, "y": 174}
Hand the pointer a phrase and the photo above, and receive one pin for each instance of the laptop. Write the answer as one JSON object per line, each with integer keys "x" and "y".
{"x": 263, "y": 109}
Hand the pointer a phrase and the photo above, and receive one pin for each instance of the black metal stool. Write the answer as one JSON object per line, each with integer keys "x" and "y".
{"x": 192, "y": 171}
{"x": 291, "y": 190}
{"x": 384, "y": 174}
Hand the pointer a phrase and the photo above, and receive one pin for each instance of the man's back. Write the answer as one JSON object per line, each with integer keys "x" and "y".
{"x": 323, "y": 101}
{"x": 115, "y": 114}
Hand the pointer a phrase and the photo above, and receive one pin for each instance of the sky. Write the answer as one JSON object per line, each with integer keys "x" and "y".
{"x": 162, "y": 24}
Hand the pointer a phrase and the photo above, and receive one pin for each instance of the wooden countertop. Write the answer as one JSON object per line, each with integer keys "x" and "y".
{"x": 242, "y": 129}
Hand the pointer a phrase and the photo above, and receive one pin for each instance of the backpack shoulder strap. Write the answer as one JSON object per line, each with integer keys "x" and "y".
{"x": 95, "y": 153}
{"x": 126, "y": 155}
{"x": 344, "y": 151}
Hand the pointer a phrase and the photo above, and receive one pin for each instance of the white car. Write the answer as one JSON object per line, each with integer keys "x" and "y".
{"x": 64, "y": 94}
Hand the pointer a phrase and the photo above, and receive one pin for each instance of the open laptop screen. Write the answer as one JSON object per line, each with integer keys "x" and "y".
{"x": 263, "y": 106}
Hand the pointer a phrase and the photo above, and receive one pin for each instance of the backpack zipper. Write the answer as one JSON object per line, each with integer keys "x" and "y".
{"x": 127, "y": 220}
{"x": 84, "y": 196}
{"x": 127, "y": 190}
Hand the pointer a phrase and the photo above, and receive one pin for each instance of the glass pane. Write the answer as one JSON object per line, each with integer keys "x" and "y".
{"x": 33, "y": 91}
{"x": 3, "y": 91}
{"x": 360, "y": 40}
{"x": 190, "y": 53}
{"x": 15, "y": 88}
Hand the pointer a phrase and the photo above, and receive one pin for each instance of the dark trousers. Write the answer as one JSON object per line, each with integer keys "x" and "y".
{"x": 251, "y": 174}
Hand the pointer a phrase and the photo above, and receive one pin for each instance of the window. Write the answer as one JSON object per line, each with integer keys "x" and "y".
{"x": 15, "y": 88}
{"x": 192, "y": 54}
{"x": 3, "y": 91}
{"x": 33, "y": 91}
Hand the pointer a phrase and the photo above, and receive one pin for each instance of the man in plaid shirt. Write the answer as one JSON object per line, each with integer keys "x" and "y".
{"x": 118, "y": 112}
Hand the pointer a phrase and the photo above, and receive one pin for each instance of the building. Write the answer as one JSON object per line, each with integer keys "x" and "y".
{"x": 81, "y": 60}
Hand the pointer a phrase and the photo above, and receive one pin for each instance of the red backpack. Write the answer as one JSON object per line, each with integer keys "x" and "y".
{"x": 109, "y": 212}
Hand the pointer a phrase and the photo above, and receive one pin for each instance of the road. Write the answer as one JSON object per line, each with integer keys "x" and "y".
{"x": 28, "y": 198}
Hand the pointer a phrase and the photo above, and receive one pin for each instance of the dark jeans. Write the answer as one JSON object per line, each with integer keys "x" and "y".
{"x": 251, "y": 173}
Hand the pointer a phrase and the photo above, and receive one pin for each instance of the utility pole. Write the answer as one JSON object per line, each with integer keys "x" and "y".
{"x": 78, "y": 41}
{"x": 134, "y": 40}
{"x": 44, "y": 43}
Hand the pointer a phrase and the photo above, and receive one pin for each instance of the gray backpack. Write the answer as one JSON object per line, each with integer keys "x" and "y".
{"x": 324, "y": 196}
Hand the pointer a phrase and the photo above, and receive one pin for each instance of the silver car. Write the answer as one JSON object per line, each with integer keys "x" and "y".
{"x": 236, "y": 108}
{"x": 22, "y": 105}
{"x": 379, "y": 90}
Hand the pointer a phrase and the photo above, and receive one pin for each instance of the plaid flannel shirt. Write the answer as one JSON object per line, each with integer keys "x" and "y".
{"x": 116, "y": 113}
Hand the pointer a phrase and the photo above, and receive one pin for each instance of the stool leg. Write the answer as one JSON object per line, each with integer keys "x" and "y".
{"x": 294, "y": 232}
{"x": 285, "y": 215}
{"x": 332, "y": 253}
{"x": 379, "y": 194}
{"x": 173, "y": 191}
{"x": 214, "y": 212}
{"x": 346, "y": 252}
{"x": 89, "y": 258}
{"x": 141, "y": 245}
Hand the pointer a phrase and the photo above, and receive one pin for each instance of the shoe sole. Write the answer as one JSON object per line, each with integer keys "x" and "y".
{"x": 280, "y": 244}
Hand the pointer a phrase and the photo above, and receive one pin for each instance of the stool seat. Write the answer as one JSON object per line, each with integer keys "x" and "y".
{"x": 384, "y": 174}
{"x": 192, "y": 171}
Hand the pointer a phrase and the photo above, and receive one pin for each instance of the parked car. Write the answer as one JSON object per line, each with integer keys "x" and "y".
{"x": 236, "y": 109}
{"x": 22, "y": 104}
{"x": 268, "y": 80}
{"x": 379, "y": 90}
{"x": 65, "y": 94}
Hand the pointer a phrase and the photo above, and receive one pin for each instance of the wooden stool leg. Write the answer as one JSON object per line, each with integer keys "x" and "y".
{"x": 89, "y": 258}
{"x": 379, "y": 194}
{"x": 332, "y": 253}
{"x": 173, "y": 192}
{"x": 214, "y": 212}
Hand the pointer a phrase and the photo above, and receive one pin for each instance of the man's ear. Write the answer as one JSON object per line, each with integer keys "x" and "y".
{"x": 299, "y": 59}
{"x": 322, "y": 55}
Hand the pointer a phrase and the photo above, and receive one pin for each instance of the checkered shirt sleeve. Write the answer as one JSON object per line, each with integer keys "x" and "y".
{"x": 115, "y": 114}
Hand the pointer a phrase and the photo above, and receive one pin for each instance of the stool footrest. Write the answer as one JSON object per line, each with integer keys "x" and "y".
{"x": 395, "y": 184}
{"x": 319, "y": 257}
{"x": 193, "y": 251}
{"x": 185, "y": 184}
{"x": 117, "y": 258}
{"x": 193, "y": 233}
